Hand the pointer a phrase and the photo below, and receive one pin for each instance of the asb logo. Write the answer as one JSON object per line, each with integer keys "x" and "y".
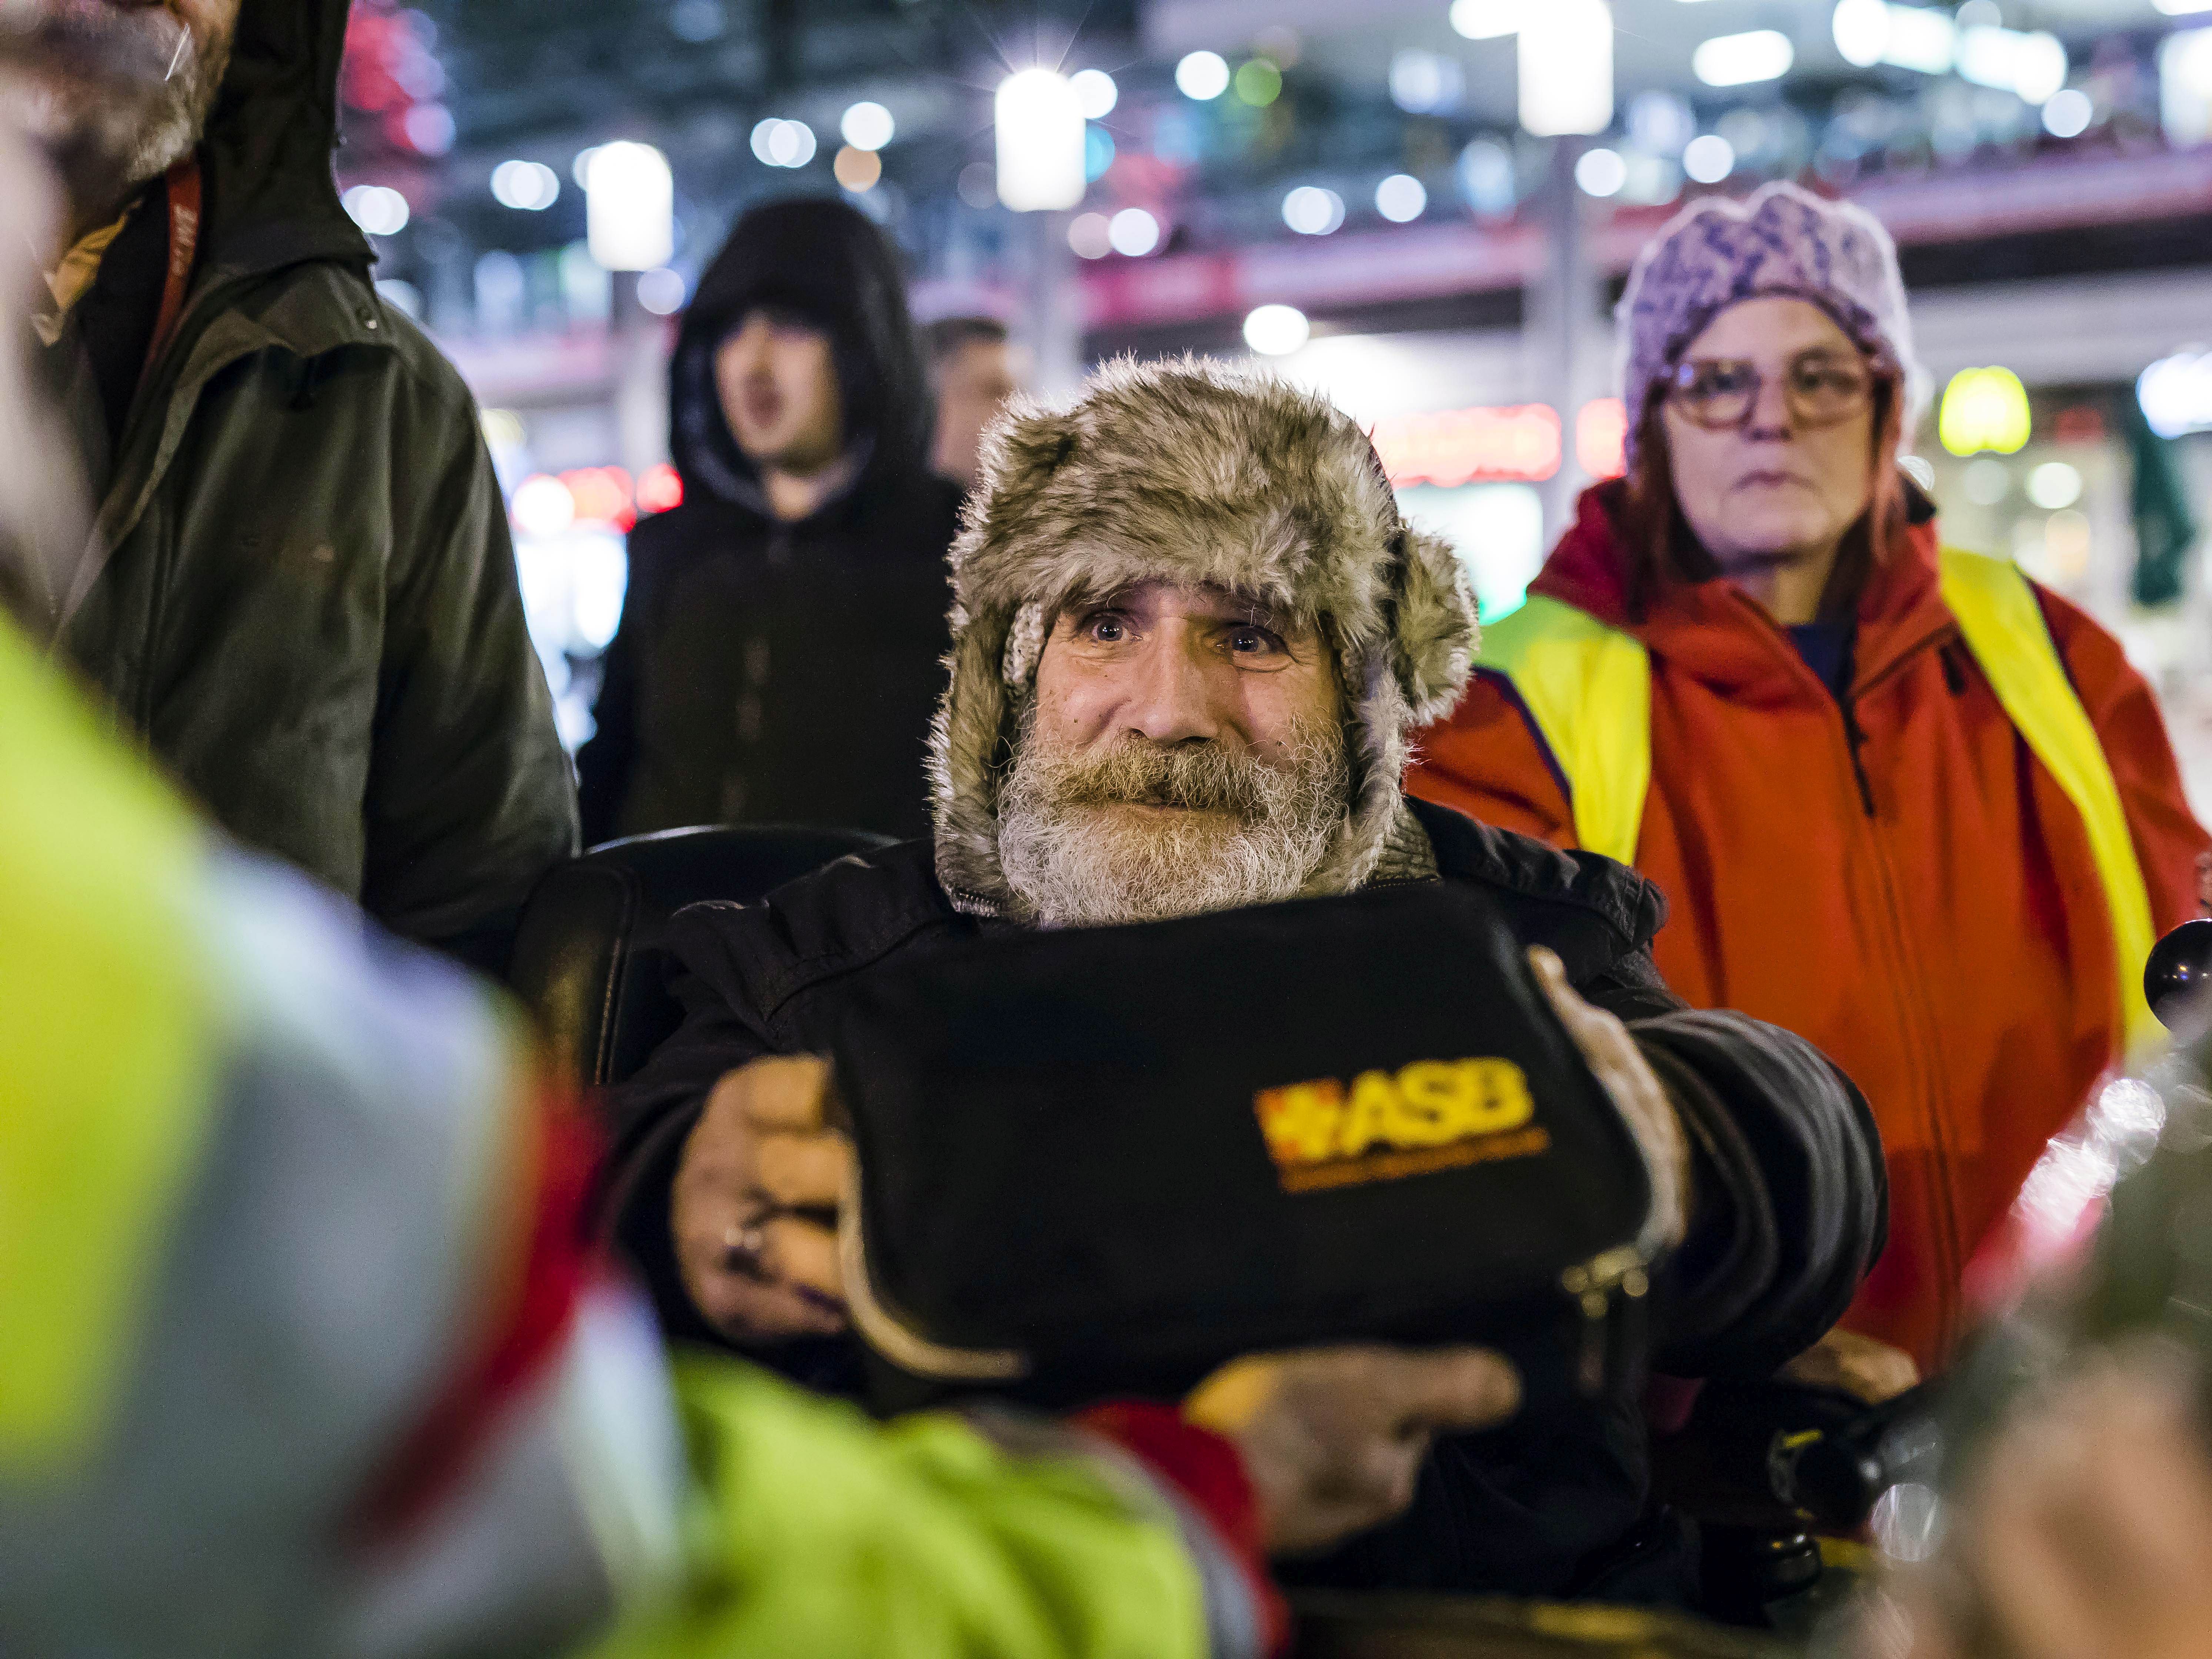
{"x": 1431, "y": 1114}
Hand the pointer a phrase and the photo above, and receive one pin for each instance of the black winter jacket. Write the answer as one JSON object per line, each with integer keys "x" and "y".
{"x": 300, "y": 590}
{"x": 774, "y": 673}
{"x": 1793, "y": 1210}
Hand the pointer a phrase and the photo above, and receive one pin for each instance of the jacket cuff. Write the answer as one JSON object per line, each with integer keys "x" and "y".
{"x": 1220, "y": 1514}
{"x": 632, "y": 1210}
{"x": 1716, "y": 1276}
{"x": 1784, "y": 1130}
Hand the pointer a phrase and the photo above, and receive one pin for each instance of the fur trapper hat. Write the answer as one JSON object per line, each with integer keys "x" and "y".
{"x": 1193, "y": 472}
{"x": 1781, "y": 239}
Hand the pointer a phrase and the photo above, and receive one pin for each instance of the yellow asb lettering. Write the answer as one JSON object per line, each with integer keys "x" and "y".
{"x": 1301, "y": 1121}
{"x": 1428, "y": 1103}
{"x": 1437, "y": 1101}
{"x": 1372, "y": 1118}
{"x": 1501, "y": 1098}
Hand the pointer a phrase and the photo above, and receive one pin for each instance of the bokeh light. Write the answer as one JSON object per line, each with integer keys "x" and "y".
{"x": 1098, "y": 93}
{"x": 868, "y": 125}
{"x": 530, "y": 187}
{"x": 1091, "y": 235}
{"x": 1276, "y": 331}
{"x": 1600, "y": 172}
{"x": 1709, "y": 158}
{"x": 1134, "y": 232}
{"x": 1312, "y": 211}
{"x": 377, "y": 209}
{"x": 1401, "y": 198}
{"x": 1202, "y": 76}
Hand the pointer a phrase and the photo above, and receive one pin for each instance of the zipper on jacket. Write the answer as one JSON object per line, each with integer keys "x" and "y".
{"x": 1951, "y": 1252}
{"x": 1855, "y": 738}
{"x": 1954, "y": 671}
{"x": 1915, "y": 1019}
{"x": 1611, "y": 1290}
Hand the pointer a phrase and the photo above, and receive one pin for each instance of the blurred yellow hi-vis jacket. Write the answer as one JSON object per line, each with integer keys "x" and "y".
{"x": 300, "y": 1354}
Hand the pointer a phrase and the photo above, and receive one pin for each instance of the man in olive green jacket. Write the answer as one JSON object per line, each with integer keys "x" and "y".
{"x": 299, "y": 588}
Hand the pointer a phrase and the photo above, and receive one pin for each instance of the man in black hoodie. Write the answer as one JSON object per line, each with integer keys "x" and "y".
{"x": 778, "y": 659}
{"x": 299, "y": 590}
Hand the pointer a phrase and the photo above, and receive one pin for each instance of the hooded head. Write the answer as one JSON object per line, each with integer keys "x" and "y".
{"x": 1202, "y": 478}
{"x": 273, "y": 198}
{"x": 116, "y": 91}
{"x": 826, "y": 262}
{"x": 1780, "y": 240}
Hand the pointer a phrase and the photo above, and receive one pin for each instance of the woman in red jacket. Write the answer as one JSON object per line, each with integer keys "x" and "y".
{"x": 1901, "y": 801}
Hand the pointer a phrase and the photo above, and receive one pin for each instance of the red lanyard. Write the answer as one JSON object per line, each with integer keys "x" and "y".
{"x": 183, "y": 183}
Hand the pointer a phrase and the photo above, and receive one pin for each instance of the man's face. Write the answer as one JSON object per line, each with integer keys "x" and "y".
{"x": 777, "y": 378}
{"x": 115, "y": 90}
{"x": 1185, "y": 752}
{"x": 972, "y": 384}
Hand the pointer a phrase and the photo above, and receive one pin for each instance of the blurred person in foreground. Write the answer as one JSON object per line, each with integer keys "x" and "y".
{"x": 2075, "y": 1513}
{"x": 298, "y": 587}
{"x": 971, "y": 363}
{"x": 778, "y": 655}
{"x": 303, "y": 1351}
{"x": 1193, "y": 637}
{"x": 2086, "y": 1535}
{"x": 1901, "y": 801}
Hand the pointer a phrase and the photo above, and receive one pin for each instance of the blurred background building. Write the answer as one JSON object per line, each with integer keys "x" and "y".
{"x": 1424, "y": 207}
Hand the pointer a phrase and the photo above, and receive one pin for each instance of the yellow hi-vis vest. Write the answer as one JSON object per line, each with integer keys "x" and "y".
{"x": 1588, "y": 689}
{"x": 107, "y": 1054}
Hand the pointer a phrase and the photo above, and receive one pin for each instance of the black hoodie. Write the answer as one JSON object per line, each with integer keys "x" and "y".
{"x": 784, "y": 672}
{"x": 300, "y": 590}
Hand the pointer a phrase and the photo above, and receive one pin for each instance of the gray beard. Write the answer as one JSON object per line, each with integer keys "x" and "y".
{"x": 1075, "y": 858}
{"x": 114, "y": 98}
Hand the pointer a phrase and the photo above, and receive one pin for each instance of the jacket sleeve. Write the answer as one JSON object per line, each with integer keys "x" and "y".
{"x": 989, "y": 1537}
{"x": 1487, "y": 760}
{"x": 648, "y": 1119}
{"x": 466, "y": 1436}
{"x": 2121, "y": 707}
{"x": 1793, "y": 1196}
{"x": 470, "y": 798}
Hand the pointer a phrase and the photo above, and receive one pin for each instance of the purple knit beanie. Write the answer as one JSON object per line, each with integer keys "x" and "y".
{"x": 1780, "y": 240}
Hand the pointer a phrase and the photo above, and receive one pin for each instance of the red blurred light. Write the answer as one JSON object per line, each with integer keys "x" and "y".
{"x": 1601, "y": 438}
{"x": 659, "y": 489}
{"x": 1455, "y": 446}
{"x": 2081, "y": 423}
{"x": 603, "y": 495}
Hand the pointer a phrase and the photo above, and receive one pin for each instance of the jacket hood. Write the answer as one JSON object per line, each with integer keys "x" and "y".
{"x": 1193, "y": 472}
{"x": 272, "y": 199}
{"x": 826, "y": 261}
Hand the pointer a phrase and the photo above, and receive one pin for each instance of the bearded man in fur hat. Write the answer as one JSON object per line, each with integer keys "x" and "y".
{"x": 1192, "y": 635}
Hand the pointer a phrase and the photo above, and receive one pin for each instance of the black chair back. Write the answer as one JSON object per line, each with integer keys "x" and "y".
{"x": 587, "y": 955}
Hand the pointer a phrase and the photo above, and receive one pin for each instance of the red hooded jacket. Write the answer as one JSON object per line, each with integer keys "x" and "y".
{"x": 1929, "y": 913}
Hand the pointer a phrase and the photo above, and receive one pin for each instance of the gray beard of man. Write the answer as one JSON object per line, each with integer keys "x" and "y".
{"x": 114, "y": 97}
{"x": 1258, "y": 831}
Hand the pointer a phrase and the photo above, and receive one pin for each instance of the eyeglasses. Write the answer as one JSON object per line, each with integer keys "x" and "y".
{"x": 1820, "y": 387}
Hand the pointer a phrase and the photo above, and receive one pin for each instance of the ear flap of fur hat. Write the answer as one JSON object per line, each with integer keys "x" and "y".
{"x": 1193, "y": 473}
